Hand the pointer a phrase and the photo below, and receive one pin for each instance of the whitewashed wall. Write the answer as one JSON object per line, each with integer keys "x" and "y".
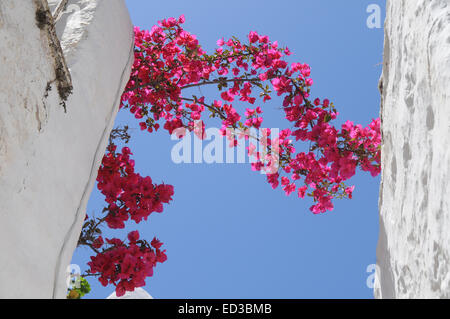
{"x": 414, "y": 246}
{"x": 138, "y": 293}
{"x": 49, "y": 158}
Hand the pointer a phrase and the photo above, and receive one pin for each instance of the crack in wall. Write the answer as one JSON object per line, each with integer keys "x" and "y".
{"x": 45, "y": 22}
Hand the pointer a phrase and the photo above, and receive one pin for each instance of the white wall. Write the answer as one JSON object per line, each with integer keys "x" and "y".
{"x": 138, "y": 293}
{"x": 413, "y": 252}
{"x": 49, "y": 158}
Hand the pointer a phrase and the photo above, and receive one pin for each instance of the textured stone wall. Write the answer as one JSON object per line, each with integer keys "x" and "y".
{"x": 413, "y": 252}
{"x": 48, "y": 156}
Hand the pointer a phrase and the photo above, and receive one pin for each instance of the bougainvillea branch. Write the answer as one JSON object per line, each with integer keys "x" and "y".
{"x": 169, "y": 60}
{"x": 169, "y": 63}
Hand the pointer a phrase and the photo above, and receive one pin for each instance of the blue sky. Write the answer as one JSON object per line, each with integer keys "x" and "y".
{"x": 227, "y": 233}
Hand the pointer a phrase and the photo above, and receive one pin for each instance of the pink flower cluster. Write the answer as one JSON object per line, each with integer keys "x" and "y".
{"x": 129, "y": 196}
{"x": 127, "y": 266}
{"x": 169, "y": 61}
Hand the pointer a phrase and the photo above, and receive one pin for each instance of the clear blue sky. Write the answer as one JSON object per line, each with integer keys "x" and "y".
{"x": 227, "y": 233}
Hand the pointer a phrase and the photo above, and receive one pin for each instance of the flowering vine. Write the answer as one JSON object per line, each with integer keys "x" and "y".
{"x": 168, "y": 62}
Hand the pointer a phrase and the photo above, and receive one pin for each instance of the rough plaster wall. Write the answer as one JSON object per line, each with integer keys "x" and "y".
{"x": 49, "y": 158}
{"x": 413, "y": 252}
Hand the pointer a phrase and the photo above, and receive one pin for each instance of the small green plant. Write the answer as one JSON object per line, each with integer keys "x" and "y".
{"x": 83, "y": 289}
